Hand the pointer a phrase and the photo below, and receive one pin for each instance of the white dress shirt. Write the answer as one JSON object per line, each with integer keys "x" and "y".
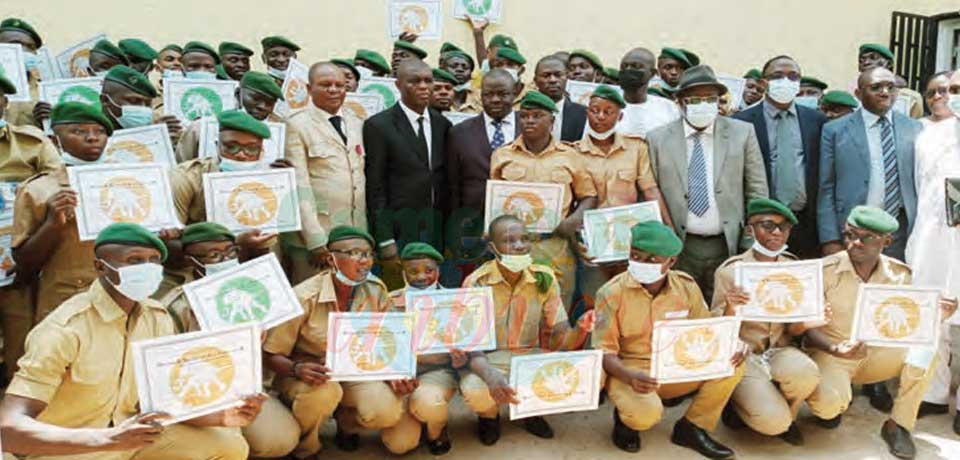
{"x": 558, "y": 119}
{"x": 640, "y": 119}
{"x": 506, "y": 125}
{"x": 876, "y": 190}
{"x": 413, "y": 116}
{"x": 709, "y": 223}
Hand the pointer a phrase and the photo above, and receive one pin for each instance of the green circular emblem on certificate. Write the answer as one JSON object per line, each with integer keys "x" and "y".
{"x": 388, "y": 98}
{"x": 477, "y": 7}
{"x": 81, "y": 94}
{"x": 200, "y": 102}
{"x": 242, "y": 299}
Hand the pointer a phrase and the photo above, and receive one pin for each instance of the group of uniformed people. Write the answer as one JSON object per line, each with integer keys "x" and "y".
{"x": 71, "y": 380}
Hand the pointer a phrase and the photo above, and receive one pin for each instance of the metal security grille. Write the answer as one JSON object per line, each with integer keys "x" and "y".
{"x": 913, "y": 40}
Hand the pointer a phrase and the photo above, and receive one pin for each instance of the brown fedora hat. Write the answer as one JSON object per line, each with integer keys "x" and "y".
{"x": 698, "y": 76}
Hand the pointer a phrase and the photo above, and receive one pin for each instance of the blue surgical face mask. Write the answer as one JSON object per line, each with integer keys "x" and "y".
{"x": 71, "y": 160}
{"x": 200, "y": 75}
{"x": 807, "y": 101}
{"x": 172, "y": 73}
{"x": 228, "y": 165}
{"x": 3, "y": 123}
{"x": 30, "y": 60}
{"x": 277, "y": 73}
{"x": 133, "y": 116}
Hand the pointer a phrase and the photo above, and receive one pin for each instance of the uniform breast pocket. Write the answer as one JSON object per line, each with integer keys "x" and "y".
{"x": 324, "y": 149}
{"x": 514, "y": 172}
{"x": 561, "y": 176}
{"x": 626, "y": 175}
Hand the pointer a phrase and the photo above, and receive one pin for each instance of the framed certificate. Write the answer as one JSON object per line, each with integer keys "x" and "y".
{"x": 137, "y": 193}
{"x": 423, "y": 18}
{"x": 75, "y": 60}
{"x": 458, "y": 117}
{"x": 294, "y": 88}
{"x": 370, "y": 346}
{"x": 735, "y": 86}
{"x": 272, "y": 148}
{"x": 256, "y": 291}
{"x": 693, "y": 349}
{"x": 452, "y": 318}
{"x": 146, "y": 144}
{"x": 538, "y": 205}
{"x": 607, "y": 231}
{"x": 364, "y": 105}
{"x": 266, "y": 199}
{"x": 85, "y": 90}
{"x": 897, "y": 316}
{"x": 11, "y": 62}
{"x": 552, "y": 383}
{"x": 198, "y": 373}
{"x": 48, "y": 68}
{"x": 781, "y": 292}
{"x": 6, "y": 254}
{"x": 384, "y": 86}
{"x": 491, "y": 10}
{"x": 189, "y": 99}
{"x": 580, "y": 91}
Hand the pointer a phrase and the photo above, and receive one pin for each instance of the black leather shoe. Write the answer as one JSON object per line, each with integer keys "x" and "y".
{"x": 438, "y": 446}
{"x": 347, "y": 442}
{"x": 829, "y": 423}
{"x": 688, "y": 435}
{"x": 538, "y": 427}
{"x": 731, "y": 418}
{"x": 898, "y": 440}
{"x": 488, "y": 430}
{"x": 928, "y": 408}
{"x": 793, "y": 435}
{"x": 956, "y": 423}
{"x": 623, "y": 436}
{"x": 880, "y": 397}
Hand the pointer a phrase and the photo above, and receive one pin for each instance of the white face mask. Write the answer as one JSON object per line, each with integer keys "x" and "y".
{"x": 953, "y": 103}
{"x": 762, "y": 250}
{"x": 807, "y": 101}
{"x": 344, "y": 279}
{"x": 516, "y": 263}
{"x": 277, "y": 73}
{"x": 645, "y": 273}
{"x": 600, "y": 136}
{"x": 71, "y": 160}
{"x": 513, "y": 73}
{"x": 172, "y": 73}
{"x": 200, "y": 75}
{"x": 783, "y": 90}
{"x": 702, "y": 115}
{"x": 463, "y": 87}
{"x": 138, "y": 282}
{"x": 228, "y": 165}
{"x": 213, "y": 269}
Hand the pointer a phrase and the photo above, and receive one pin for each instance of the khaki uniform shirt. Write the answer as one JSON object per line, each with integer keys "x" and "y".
{"x": 759, "y": 335}
{"x": 626, "y": 312}
{"x": 841, "y": 286}
{"x": 425, "y": 363}
{"x": 472, "y": 104}
{"x": 69, "y": 269}
{"x": 307, "y": 334}
{"x": 176, "y": 304}
{"x": 559, "y": 163}
{"x": 524, "y": 317}
{"x": 619, "y": 174}
{"x": 187, "y": 184}
{"x": 329, "y": 173}
{"x": 78, "y": 360}
{"x": 25, "y": 151}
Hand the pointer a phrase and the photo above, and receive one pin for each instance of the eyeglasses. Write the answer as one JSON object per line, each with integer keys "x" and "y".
{"x": 218, "y": 256}
{"x": 693, "y": 100}
{"x": 942, "y": 91}
{"x": 866, "y": 238}
{"x": 355, "y": 254}
{"x": 248, "y": 151}
{"x": 770, "y": 226}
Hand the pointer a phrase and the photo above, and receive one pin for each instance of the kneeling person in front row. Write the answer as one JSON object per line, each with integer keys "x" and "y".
{"x": 75, "y": 393}
{"x": 627, "y": 307}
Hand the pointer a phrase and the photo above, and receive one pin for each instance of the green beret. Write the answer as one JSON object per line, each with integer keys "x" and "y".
{"x": 511, "y": 55}
{"x": 261, "y": 83}
{"x": 201, "y": 47}
{"x": 132, "y": 79}
{"x": 69, "y": 113}
{"x": 221, "y": 72}
{"x": 677, "y": 54}
{"x": 611, "y": 73}
{"x": 420, "y": 251}
{"x": 592, "y": 58}
{"x": 654, "y": 237}
{"x": 374, "y": 58}
{"x": 753, "y": 74}
{"x": 108, "y": 49}
{"x": 443, "y": 75}
{"x": 768, "y": 206}
{"x": 692, "y": 58}
{"x": 172, "y": 46}
{"x": 610, "y": 94}
{"x": 457, "y": 53}
{"x": 877, "y": 48}
{"x": 537, "y": 100}
{"x": 405, "y": 45}
{"x": 503, "y": 41}
{"x": 346, "y": 232}
{"x": 658, "y": 91}
{"x": 6, "y": 85}
{"x": 239, "y": 120}
{"x": 873, "y": 219}
{"x": 812, "y": 81}
{"x": 276, "y": 40}
{"x": 205, "y": 231}
{"x": 448, "y": 47}
{"x": 234, "y": 48}
{"x": 137, "y": 50}
{"x": 838, "y": 97}
{"x": 348, "y": 63}
{"x": 130, "y": 234}
{"x": 19, "y": 25}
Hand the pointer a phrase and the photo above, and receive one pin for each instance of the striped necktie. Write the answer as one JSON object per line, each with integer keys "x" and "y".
{"x": 892, "y": 202}
{"x": 698, "y": 200}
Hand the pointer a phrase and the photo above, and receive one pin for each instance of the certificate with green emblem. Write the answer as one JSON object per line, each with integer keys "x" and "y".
{"x": 452, "y": 318}
{"x": 607, "y": 231}
{"x": 370, "y": 347}
{"x": 189, "y": 99}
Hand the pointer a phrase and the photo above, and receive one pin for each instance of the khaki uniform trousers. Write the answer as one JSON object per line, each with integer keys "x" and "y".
{"x": 476, "y": 393}
{"x": 556, "y": 253}
{"x": 641, "y": 411}
{"x": 429, "y": 402}
{"x": 17, "y": 306}
{"x": 274, "y": 433}
{"x": 311, "y": 406}
{"x": 832, "y": 397}
{"x": 374, "y": 406}
{"x": 768, "y": 399}
{"x": 178, "y": 442}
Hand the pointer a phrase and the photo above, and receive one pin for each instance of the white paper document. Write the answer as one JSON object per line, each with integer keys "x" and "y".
{"x": 692, "y": 350}
{"x": 146, "y": 144}
{"x": 190, "y": 99}
{"x": 553, "y": 383}
{"x": 897, "y": 316}
{"x": 538, "y": 205}
{"x": 781, "y": 292}
{"x": 370, "y": 346}
{"x": 264, "y": 199}
{"x": 445, "y": 319}
{"x": 607, "y": 231}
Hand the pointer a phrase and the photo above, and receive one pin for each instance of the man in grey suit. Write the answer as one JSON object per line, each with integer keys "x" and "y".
{"x": 866, "y": 157}
{"x": 708, "y": 168}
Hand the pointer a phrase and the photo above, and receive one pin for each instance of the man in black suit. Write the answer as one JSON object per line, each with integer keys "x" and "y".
{"x": 789, "y": 138}
{"x": 550, "y": 76}
{"x": 468, "y": 162}
{"x": 407, "y": 194}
